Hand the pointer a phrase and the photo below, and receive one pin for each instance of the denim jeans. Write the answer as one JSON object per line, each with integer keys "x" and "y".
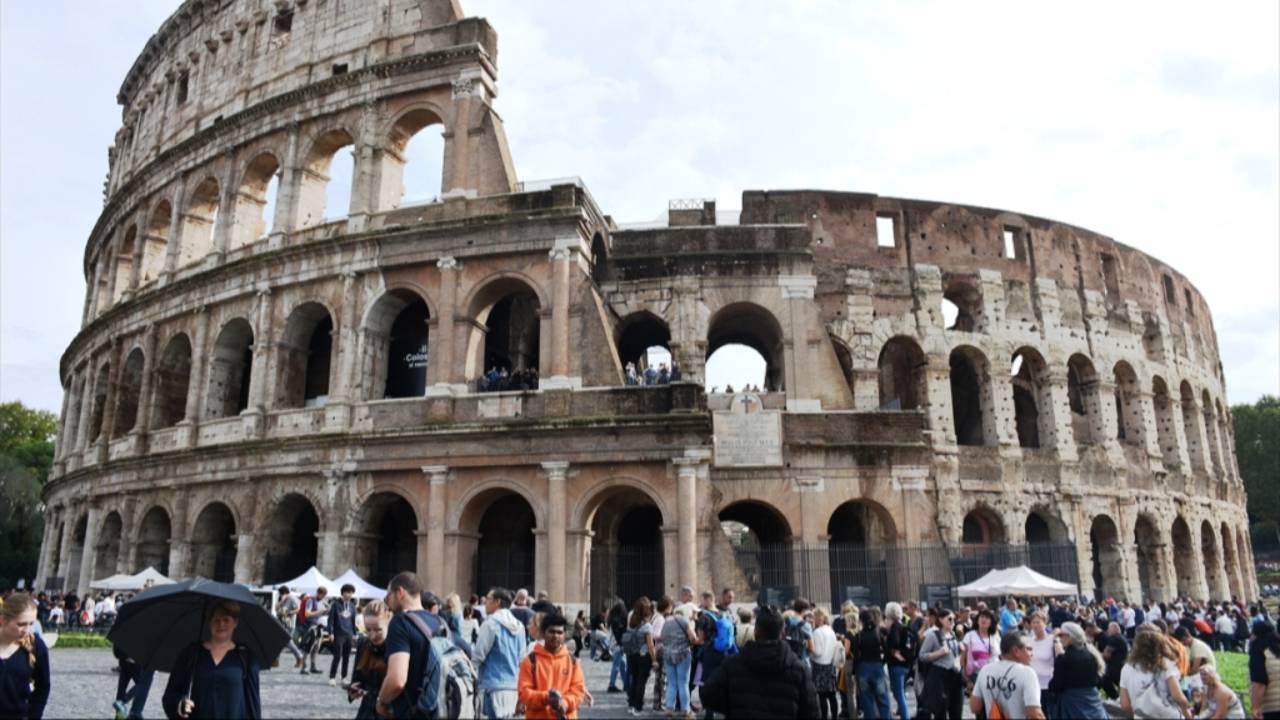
{"x": 678, "y": 684}
{"x": 619, "y": 666}
{"x": 873, "y": 690}
{"x": 898, "y": 684}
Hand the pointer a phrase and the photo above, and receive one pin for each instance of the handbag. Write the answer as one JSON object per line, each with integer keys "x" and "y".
{"x": 1154, "y": 701}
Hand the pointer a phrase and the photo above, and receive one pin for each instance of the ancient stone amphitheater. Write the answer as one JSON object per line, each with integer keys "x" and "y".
{"x": 255, "y": 392}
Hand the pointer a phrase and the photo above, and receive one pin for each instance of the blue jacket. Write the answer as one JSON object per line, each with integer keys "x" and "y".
{"x": 499, "y": 650}
{"x": 342, "y": 618}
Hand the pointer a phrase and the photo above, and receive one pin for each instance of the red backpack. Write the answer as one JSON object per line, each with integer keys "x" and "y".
{"x": 302, "y": 607}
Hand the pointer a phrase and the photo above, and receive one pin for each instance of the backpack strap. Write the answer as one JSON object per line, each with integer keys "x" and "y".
{"x": 533, "y": 668}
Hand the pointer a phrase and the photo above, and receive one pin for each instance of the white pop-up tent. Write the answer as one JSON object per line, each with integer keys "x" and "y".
{"x": 308, "y": 582}
{"x": 364, "y": 590}
{"x": 1021, "y": 580}
{"x": 131, "y": 582}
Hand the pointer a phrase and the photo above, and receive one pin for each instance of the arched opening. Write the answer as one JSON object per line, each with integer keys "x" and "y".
{"x": 291, "y": 539}
{"x": 860, "y": 533}
{"x": 124, "y": 262}
{"x": 902, "y": 366}
{"x": 1214, "y": 567}
{"x": 1107, "y": 558}
{"x": 230, "y": 370}
{"x": 599, "y": 259}
{"x": 130, "y": 390}
{"x": 504, "y": 351}
{"x": 1211, "y": 432}
{"x": 844, "y": 358}
{"x": 254, "y": 200}
{"x": 396, "y": 331}
{"x": 1151, "y": 570}
{"x": 1225, "y": 435}
{"x": 625, "y": 546}
{"x": 1030, "y": 393}
{"x": 199, "y": 223}
{"x": 156, "y": 242}
{"x": 505, "y": 550}
{"x": 983, "y": 527}
{"x": 173, "y": 380}
{"x": 1084, "y": 400}
{"x": 213, "y": 544}
{"x": 304, "y": 356}
{"x": 154, "y": 535}
{"x": 1166, "y": 430}
{"x": 325, "y": 188}
{"x": 644, "y": 342}
{"x": 1048, "y": 549}
{"x": 1129, "y": 426}
{"x": 761, "y": 541}
{"x": 1230, "y": 561}
{"x": 387, "y": 538}
{"x": 413, "y": 162}
{"x": 972, "y": 409}
{"x": 740, "y": 337}
{"x": 99, "y": 402}
{"x": 76, "y": 556}
{"x": 71, "y": 424}
{"x": 1184, "y": 558}
{"x": 107, "y": 552}
{"x": 962, "y": 306}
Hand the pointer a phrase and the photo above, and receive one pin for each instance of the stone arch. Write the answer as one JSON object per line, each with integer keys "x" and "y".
{"x": 964, "y": 296}
{"x": 99, "y": 406}
{"x": 754, "y": 326}
{"x": 199, "y": 221}
{"x": 1184, "y": 558}
{"x": 972, "y": 403}
{"x": 1191, "y": 425}
{"x": 259, "y": 187}
{"x": 1107, "y": 558}
{"x": 402, "y": 136}
{"x": 626, "y": 547}
{"x": 214, "y": 543}
{"x": 1225, "y": 438}
{"x": 1231, "y": 562}
{"x": 130, "y": 393}
{"x": 314, "y": 182}
{"x": 79, "y": 533}
{"x": 230, "y": 370}
{"x": 1151, "y": 547}
{"x": 1045, "y": 527}
{"x": 902, "y": 374}
{"x": 107, "y": 550}
{"x": 1130, "y": 428}
{"x": 763, "y": 524}
{"x": 1214, "y": 566}
{"x": 983, "y": 526}
{"x": 860, "y": 532}
{"x": 1166, "y": 428}
{"x": 156, "y": 241}
{"x": 396, "y": 329}
{"x": 1211, "y": 432}
{"x": 500, "y": 520}
{"x": 290, "y": 537}
{"x": 760, "y": 538}
{"x": 1085, "y": 400}
{"x": 637, "y": 333}
{"x": 385, "y": 536}
{"x": 172, "y": 382}
{"x": 466, "y": 511}
{"x": 600, "y": 271}
{"x": 155, "y": 532}
{"x": 305, "y": 357}
{"x": 1032, "y": 397}
{"x": 506, "y": 310}
{"x": 583, "y": 512}
{"x": 124, "y": 262}
{"x": 1048, "y": 540}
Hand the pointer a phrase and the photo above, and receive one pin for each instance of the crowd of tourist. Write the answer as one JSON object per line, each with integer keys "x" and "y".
{"x": 510, "y": 654}
{"x": 500, "y": 379}
{"x": 661, "y": 375}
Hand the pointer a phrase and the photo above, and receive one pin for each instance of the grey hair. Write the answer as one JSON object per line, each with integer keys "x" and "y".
{"x": 1078, "y": 639}
{"x": 893, "y": 611}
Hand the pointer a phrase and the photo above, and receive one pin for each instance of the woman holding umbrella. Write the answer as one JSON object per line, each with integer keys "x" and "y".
{"x": 216, "y": 678}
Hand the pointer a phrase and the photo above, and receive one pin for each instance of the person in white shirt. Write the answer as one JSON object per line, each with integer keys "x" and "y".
{"x": 1225, "y": 628}
{"x": 1044, "y": 648}
{"x": 1149, "y": 681}
{"x": 1127, "y": 617}
{"x": 1009, "y": 682}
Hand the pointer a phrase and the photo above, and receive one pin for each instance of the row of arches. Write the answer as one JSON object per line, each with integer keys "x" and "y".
{"x": 1222, "y": 555}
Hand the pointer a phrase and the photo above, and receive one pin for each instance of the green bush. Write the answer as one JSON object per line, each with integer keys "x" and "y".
{"x": 82, "y": 640}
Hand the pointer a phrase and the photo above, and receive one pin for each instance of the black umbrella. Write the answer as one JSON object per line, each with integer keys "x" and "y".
{"x": 155, "y": 626}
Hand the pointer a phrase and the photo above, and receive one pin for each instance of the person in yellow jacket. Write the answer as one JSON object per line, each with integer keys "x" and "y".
{"x": 551, "y": 686}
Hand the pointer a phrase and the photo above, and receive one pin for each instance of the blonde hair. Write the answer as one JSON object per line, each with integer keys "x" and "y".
{"x": 453, "y": 603}
{"x": 820, "y": 616}
{"x": 13, "y": 607}
{"x": 377, "y": 608}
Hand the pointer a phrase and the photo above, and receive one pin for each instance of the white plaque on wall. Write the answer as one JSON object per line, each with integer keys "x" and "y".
{"x": 747, "y": 435}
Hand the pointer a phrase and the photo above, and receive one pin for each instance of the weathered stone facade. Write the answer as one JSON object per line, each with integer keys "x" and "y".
{"x": 249, "y": 396}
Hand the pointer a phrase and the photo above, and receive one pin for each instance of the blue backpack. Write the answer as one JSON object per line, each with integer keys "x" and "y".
{"x": 724, "y": 641}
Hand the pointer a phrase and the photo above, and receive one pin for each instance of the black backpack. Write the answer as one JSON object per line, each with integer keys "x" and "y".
{"x": 910, "y": 643}
{"x": 794, "y": 635}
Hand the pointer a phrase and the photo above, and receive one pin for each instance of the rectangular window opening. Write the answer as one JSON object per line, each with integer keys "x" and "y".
{"x": 283, "y": 23}
{"x": 340, "y": 69}
{"x": 1191, "y": 308}
{"x": 184, "y": 87}
{"x": 1109, "y": 276}
{"x": 1169, "y": 295}
{"x": 1010, "y": 242}
{"x": 886, "y": 231}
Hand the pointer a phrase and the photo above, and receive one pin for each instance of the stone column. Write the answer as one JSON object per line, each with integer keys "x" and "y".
{"x": 113, "y": 394}
{"x": 1150, "y": 434}
{"x": 198, "y": 385}
{"x": 557, "y": 519}
{"x": 1182, "y": 456}
{"x": 1061, "y": 437}
{"x": 261, "y": 382}
{"x": 46, "y": 540}
{"x": 285, "y": 216}
{"x": 444, "y": 370}
{"x": 86, "y": 406}
{"x": 687, "y": 517}
{"x": 562, "y": 257}
{"x": 338, "y": 408}
{"x": 142, "y": 423}
{"x": 173, "y": 251}
{"x": 64, "y": 547}
{"x": 89, "y": 557}
{"x": 366, "y": 172}
{"x": 799, "y": 383}
{"x": 245, "y": 546}
{"x": 1110, "y": 422}
{"x": 226, "y": 218}
{"x": 437, "y": 500}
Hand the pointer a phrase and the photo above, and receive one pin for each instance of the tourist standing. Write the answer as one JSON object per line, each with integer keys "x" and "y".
{"x": 656, "y": 623}
{"x": 981, "y": 645}
{"x": 216, "y": 678}
{"x": 900, "y": 644}
{"x": 868, "y": 650}
{"x": 411, "y": 661}
{"x": 371, "y": 660}
{"x": 1010, "y": 616}
{"x": 497, "y": 654}
{"x": 1009, "y": 682}
{"x": 1149, "y": 682}
{"x": 677, "y": 658}
{"x": 551, "y": 686}
{"x": 1077, "y": 673}
{"x": 943, "y": 694}
{"x": 1264, "y": 671}
{"x": 764, "y": 680}
{"x": 24, "y": 661}
{"x": 826, "y": 669}
{"x": 342, "y": 626}
{"x": 1044, "y": 649}
{"x": 617, "y": 620}
{"x": 637, "y": 643}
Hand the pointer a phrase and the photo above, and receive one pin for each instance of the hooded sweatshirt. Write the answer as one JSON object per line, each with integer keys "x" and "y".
{"x": 542, "y": 671}
{"x": 765, "y": 680}
{"x": 498, "y": 651}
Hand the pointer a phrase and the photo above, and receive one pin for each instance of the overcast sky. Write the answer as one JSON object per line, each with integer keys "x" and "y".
{"x": 1155, "y": 123}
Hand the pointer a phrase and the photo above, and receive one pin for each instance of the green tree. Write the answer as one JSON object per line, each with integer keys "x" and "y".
{"x": 26, "y": 456}
{"x": 1258, "y": 452}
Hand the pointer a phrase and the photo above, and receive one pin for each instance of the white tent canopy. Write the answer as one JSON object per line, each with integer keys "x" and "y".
{"x": 1020, "y": 580}
{"x": 364, "y": 590}
{"x": 308, "y": 582}
{"x": 131, "y": 582}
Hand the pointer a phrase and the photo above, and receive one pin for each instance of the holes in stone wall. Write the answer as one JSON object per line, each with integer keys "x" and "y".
{"x": 1128, "y": 399}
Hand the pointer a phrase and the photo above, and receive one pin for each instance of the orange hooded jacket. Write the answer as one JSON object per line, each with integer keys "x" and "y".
{"x": 560, "y": 671}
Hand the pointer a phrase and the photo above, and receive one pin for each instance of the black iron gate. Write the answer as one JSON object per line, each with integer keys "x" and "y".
{"x": 508, "y": 566}
{"x": 626, "y": 572}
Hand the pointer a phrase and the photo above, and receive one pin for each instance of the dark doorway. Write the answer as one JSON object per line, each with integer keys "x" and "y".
{"x": 291, "y": 540}
{"x": 407, "y": 353}
{"x": 505, "y": 553}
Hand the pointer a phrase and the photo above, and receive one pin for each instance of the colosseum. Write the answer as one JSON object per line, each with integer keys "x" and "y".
{"x": 263, "y": 382}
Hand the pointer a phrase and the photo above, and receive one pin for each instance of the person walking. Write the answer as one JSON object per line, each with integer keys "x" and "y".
{"x": 497, "y": 654}
{"x": 637, "y": 643}
{"x": 1149, "y": 681}
{"x": 899, "y": 645}
{"x": 765, "y": 680}
{"x": 216, "y": 678}
{"x": 551, "y": 685}
{"x": 317, "y": 619}
{"x": 342, "y": 626}
{"x": 678, "y": 638}
{"x": 413, "y": 666}
{"x": 287, "y": 613}
{"x": 24, "y": 661}
{"x": 370, "y": 667}
{"x": 1008, "y": 683}
{"x": 617, "y": 620}
{"x": 1077, "y": 674}
{"x": 943, "y": 694}
{"x": 130, "y": 701}
{"x": 827, "y": 656}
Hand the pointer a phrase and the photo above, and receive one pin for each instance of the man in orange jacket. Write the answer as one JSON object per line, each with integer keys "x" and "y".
{"x": 551, "y": 684}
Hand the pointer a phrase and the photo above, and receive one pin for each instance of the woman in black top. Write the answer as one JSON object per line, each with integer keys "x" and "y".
{"x": 899, "y": 650}
{"x": 868, "y": 655}
{"x": 1077, "y": 673}
{"x": 24, "y": 661}
{"x": 222, "y": 676}
{"x": 371, "y": 660}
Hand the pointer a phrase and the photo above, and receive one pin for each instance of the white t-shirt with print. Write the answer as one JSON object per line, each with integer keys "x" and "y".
{"x": 1012, "y": 685}
{"x": 1137, "y": 681}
